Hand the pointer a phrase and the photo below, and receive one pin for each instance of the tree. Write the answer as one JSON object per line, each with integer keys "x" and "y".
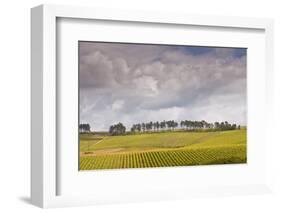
{"x": 204, "y": 124}
{"x": 217, "y": 125}
{"x": 117, "y": 129}
{"x": 175, "y": 125}
{"x": 147, "y": 126}
{"x": 163, "y": 125}
{"x": 182, "y": 124}
{"x": 138, "y": 127}
{"x": 84, "y": 128}
{"x": 134, "y": 128}
{"x": 143, "y": 127}
{"x": 157, "y": 124}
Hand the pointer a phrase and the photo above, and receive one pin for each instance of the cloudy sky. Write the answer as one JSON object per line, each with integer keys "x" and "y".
{"x": 134, "y": 83}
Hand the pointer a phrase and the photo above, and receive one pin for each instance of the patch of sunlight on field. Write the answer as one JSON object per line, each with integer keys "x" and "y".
{"x": 224, "y": 138}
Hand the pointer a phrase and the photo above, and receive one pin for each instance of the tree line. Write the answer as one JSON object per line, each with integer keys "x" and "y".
{"x": 184, "y": 124}
{"x": 171, "y": 125}
{"x": 154, "y": 126}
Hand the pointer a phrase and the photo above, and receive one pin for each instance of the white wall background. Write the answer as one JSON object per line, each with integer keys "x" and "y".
{"x": 15, "y": 104}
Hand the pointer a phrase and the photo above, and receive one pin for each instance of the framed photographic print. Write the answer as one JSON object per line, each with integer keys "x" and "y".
{"x": 147, "y": 105}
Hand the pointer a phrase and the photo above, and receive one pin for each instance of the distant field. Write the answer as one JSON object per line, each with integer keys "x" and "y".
{"x": 179, "y": 148}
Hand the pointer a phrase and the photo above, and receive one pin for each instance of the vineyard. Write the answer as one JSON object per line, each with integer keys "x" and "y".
{"x": 162, "y": 150}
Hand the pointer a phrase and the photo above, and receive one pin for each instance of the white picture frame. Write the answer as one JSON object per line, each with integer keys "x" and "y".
{"x": 44, "y": 135}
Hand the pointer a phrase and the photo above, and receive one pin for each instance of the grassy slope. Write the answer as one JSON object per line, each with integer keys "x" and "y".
{"x": 163, "y": 149}
{"x": 162, "y": 140}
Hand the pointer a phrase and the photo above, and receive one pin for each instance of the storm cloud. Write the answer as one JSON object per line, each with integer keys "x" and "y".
{"x": 133, "y": 83}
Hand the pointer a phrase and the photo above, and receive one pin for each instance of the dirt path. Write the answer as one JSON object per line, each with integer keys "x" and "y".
{"x": 100, "y": 141}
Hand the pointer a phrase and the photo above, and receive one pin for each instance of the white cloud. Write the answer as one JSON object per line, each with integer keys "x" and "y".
{"x": 147, "y": 85}
{"x": 117, "y": 105}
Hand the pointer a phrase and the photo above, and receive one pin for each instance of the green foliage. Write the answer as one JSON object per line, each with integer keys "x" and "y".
{"x": 84, "y": 127}
{"x": 117, "y": 129}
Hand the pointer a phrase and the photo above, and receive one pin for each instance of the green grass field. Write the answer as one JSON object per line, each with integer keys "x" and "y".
{"x": 179, "y": 148}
